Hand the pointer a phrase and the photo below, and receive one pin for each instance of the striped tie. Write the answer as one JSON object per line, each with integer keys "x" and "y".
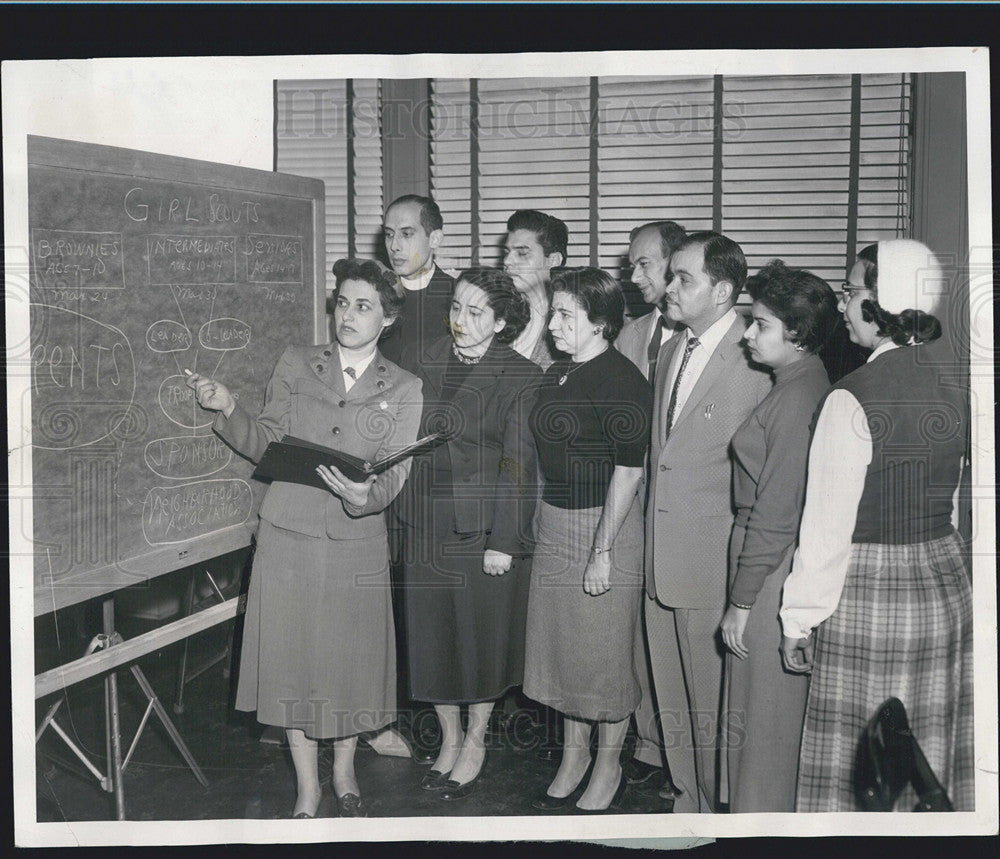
{"x": 692, "y": 342}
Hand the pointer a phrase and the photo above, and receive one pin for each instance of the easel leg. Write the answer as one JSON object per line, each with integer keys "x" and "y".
{"x": 160, "y": 711}
{"x": 182, "y": 668}
{"x": 111, "y": 693}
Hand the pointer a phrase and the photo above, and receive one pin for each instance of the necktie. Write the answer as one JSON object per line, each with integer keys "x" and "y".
{"x": 692, "y": 342}
{"x": 654, "y": 346}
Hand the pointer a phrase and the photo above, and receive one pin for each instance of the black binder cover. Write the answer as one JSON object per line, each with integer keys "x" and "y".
{"x": 294, "y": 460}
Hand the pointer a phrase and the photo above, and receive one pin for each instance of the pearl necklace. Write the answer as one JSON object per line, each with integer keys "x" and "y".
{"x": 464, "y": 358}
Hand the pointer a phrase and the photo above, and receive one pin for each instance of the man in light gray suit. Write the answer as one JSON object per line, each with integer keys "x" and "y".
{"x": 650, "y": 247}
{"x": 704, "y": 389}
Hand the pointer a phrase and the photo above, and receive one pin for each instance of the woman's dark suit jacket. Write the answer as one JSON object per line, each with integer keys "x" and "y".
{"x": 492, "y": 452}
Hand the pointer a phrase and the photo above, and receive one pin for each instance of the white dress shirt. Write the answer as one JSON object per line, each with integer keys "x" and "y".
{"x": 839, "y": 456}
{"x": 707, "y": 344}
{"x": 359, "y": 367}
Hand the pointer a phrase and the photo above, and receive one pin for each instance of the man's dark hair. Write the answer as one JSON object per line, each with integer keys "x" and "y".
{"x": 551, "y": 233}
{"x": 430, "y": 214}
{"x": 724, "y": 259}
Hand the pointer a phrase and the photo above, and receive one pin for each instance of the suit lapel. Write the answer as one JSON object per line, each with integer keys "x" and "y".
{"x": 715, "y": 367}
{"x": 374, "y": 381}
{"x": 325, "y": 364}
{"x": 662, "y": 392}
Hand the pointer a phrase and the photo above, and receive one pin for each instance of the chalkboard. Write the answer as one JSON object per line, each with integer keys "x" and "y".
{"x": 142, "y": 266}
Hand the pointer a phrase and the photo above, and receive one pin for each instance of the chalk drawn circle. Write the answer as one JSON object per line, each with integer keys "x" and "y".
{"x": 168, "y": 335}
{"x": 177, "y": 402}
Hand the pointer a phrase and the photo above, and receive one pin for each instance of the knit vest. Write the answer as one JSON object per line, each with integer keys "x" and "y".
{"x": 918, "y": 425}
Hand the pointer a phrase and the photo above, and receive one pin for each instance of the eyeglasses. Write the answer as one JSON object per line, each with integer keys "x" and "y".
{"x": 848, "y": 290}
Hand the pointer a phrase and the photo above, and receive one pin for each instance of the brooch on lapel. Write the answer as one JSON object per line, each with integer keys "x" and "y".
{"x": 383, "y": 405}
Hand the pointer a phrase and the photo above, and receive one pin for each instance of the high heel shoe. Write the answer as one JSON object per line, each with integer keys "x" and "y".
{"x": 547, "y": 802}
{"x": 452, "y": 790}
{"x": 616, "y": 800}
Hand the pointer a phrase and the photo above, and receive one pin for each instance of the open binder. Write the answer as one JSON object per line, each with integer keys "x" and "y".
{"x": 294, "y": 460}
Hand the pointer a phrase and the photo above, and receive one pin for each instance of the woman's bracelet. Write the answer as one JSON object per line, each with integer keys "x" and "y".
{"x": 600, "y": 550}
{"x": 740, "y": 605}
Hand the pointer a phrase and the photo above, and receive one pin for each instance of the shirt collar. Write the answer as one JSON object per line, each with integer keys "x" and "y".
{"x": 881, "y": 349}
{"x": 415, "y": 284}
{"x": 716, "y": 331}
{"x": 359, "y": 366}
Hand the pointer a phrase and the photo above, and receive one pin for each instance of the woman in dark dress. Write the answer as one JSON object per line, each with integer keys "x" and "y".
{"x": 591, "y": 426}
{"x": 467, "y": 510}
{"x": 319, "y": 656}
{"x": 878, "y": 603}
{"x": 793, "y": 314}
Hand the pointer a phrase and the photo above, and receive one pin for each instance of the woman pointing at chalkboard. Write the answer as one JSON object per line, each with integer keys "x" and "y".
{"x": 318, "y": 652}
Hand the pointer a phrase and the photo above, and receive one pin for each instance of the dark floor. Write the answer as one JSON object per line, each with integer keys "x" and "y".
{"x": 249, "y": 778}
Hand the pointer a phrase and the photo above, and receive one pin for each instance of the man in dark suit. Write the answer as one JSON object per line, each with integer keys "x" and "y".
{"x": 413, "y": 229}
{"x": 650, "y": 247}
{"x": 704, "y": 389}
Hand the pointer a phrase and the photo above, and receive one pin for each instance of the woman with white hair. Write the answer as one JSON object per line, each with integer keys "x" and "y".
{"x": 878, "y": 603}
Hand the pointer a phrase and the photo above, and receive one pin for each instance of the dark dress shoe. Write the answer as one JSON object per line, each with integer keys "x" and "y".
{"x": 452, "y": 790}
{"x": 349, "y": 805}
{"x": 424, "y": 756}
{"x": 551, "y": 803}
{"x": 303, "y": 815}
{"x": 639, "y": 772}
{"x": 670, "y": 790}
{"x": 434, "y": 780}
{"x": 614, "y": 805}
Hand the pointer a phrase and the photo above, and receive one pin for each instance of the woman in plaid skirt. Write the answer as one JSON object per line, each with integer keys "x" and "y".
{"x": 879, "y": 573}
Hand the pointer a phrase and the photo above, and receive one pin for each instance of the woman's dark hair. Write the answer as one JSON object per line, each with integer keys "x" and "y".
{"x": 802, "y": 301}
{"x": 910, "y": 326}
{"x": 384, "y": 281}
{"x": 598, "y": 293}
{"x": 503, "y": 298}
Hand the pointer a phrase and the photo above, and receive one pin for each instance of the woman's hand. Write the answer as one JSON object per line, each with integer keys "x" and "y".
{"x": 597, "y": 576}
{"x": 797, "y": 654}
{"x": 734, "y": 622}
{"x": 496, "y": 563}
{"x": 348, "y": 490}
{"x": 211, "y": 394}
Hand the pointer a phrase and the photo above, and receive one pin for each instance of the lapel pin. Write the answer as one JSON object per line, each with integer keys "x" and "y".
{"x": 383, "y": 405}
{"x": 708, "y": 411}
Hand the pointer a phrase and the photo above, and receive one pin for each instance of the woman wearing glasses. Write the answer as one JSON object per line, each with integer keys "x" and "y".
{"x": 878, "y": 603}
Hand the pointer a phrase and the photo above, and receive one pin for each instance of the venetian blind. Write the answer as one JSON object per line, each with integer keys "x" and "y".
{"x": 315, "y": 122}
{"x": 804, "y": 168}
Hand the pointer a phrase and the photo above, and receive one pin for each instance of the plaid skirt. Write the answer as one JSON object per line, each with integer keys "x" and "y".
{"x": 902, "y": 628}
